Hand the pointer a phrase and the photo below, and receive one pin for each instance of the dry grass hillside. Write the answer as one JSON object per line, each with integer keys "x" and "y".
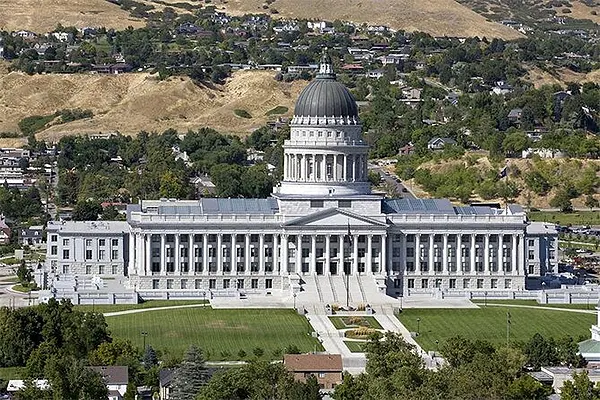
{"x": 130, "y": 103}
{"x": 43, "y": 15}
{"x": 437, "y": 17}
{"x": 560, "y": 76}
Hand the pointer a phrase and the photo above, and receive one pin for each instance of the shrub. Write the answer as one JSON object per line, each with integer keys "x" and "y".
{"x": 242, "y": 113}
{"x": 360, "y": 333}
{"x": 35, "y": 123}
{"x": 258, "y": 352}
{"x": 277, "y": 110}
{"x": 241, "y": 354}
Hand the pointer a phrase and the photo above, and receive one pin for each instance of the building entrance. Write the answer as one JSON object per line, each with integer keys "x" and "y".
{"x": 333, "y": 268}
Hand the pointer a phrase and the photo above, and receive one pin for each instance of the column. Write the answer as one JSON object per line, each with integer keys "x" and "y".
{"x": 521, "y": 255}
{"x": 275, "y": 258}
{"x": 247, "y": 254}
{"x": 341, "y": 254}
{"x": 345, "y": 168}
{"x": 473, "y": 236}
{"x": 323, "y": 168}
{"x": 131, "y": 260}
{"x": 219, "y": 254}
{"x": 284, "y": 253}
{"x": 139, "y": 254}
{"x": 383, "y": 257}
{"x": 163, "y": 252}
{"x": 261, "y": 253}
{"x": 233, "y": 254}
{"x": 431, "y": 236}
{"x": 299, "y": 254}
{"x": 205, "y": 254}
{"x": 351, "y": 169}
{"x": 315, "y": 168}
{"x": 513, "y": 250}
{"x": 177, "y": 255}
{"x": 486, "y": 254}
{"x": 191, "y": 260}
{"x": 355, "y": 255}
{"x": 335, "y": 167}
{"x": 327, "y": 255}
{"x": 313, "y": 255}
{"x": 369, "y": 263}
{"x": 148, "y": 255}
{"x": 418, "y": 253}
{"x": 445, "y": 254}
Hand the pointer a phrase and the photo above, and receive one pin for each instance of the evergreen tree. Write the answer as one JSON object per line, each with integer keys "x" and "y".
{"x": 190, "y": 376}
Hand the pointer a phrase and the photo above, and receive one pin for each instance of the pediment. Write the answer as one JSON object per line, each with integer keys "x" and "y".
{"x": 335, "y": 217}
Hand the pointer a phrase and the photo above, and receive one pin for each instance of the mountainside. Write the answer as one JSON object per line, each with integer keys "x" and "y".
{"x": 437, "y": 17}
{"x": 129, "y": 103}
{"x": 43, "y": 15}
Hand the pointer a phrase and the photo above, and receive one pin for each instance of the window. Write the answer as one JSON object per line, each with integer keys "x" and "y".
{"x": 410, "y": 266}
{"x": 226, "y": 283}
{"x": 530, "y": 255}
{"x": 466, "y": 283}
{"x": 319, "y": 252}
{"x": 184, "y": 266}
{"x": 531, "y": 269}
{"x": 396, "y": 251}
{"x": 197, "y": 283}
{"x": 54, "y": 250}
{"x": 268, "y": 283}
{"x": 240, "y": 283}
{"x": 212, "y": 252}
{"x": 100, "y": 269}
{"x": 410, "y": 252}
{"x": 155, "y": 283}
{"x": 226, "y": 267}
{"x": 88, "y": 269}
{"x": 88, "y": 242}
{"x": 114, "y": 254}
{"x": 254, "y": 283}
{"x": 424, "y": 283}
{"x": 411, "y": 283}
{"x": 317, "y": 204}
{"x": 101, "y": 242}
{"x": 438, "y": 283}
{"x": 361, "y": 252}
{"x": 212, "y": 283}
{"x": 254, "y": 252}
{"x": 169, "y": 252}
{"x": 479, "y": 283}
{"x": 531, "y": 242}
{"x": 184, "y": 252}
{"x": 101, "y": 254}
{"x": 424, "y": 266}
{"x": 226, "y": 252}
{"x": 88, "y": 254}
{"x": 169, "y": 283}
{"x": 54, "y": 238}
{"x": 344, "y": 204}
{"x": 507, "y": 283}
{"x": 66, "y": 254}
{"x": 334, "y": 252}
{"x": 115, "y": 269}
{"x": 452, "y": 283}
{"x": 552, "y": 254}
{"x": 197, "y": 266}
{"x": 65, "y": 269}
{"x": 115, "y": 242}
{"x": 269, "y": 252}
{"x": 184, "y": 284}
{"x": 437, "y": 266}
{"x": 305, "y": 253}
{"x": 321, "y": 374}
{"x": 198, "y": 252}
{"x": 494, "y": 283}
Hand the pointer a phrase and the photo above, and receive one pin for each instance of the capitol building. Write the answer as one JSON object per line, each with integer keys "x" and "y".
{"x": 322, "y": 232}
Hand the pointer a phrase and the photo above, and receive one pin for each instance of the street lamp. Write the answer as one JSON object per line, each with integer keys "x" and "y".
{"x": 437, "y": 346}
{"x": 144, "y": 334}
{"x": 418, "y": 326}
{"x": 485, "y": 299}
{"x": 401, "y": 295}
{"x": 294, "y": 300}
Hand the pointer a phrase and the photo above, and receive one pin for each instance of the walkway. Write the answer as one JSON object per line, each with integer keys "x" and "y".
{"x": 575, "y": 310}
{"x": 141, "y": 310}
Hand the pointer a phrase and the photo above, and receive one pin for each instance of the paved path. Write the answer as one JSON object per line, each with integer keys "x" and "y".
{"x": 575, "y": 310}
{"x": 141, "y": 310}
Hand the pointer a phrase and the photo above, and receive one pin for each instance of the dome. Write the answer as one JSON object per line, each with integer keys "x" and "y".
{"x": 326, "y": 97}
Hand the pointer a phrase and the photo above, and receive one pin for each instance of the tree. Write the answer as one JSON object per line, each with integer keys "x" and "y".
{"x": 24, "y": 274}
{"x": 562, "y": 200}
{"x": 580, "y": 388}
{"x": 87, "y": 210}
{"x": 591, "y": 202}
{"x": 113, "y": 353}
{"x": 71, "y": 379}
{"x": 150, "y": 359}
{"x": 190, "y": 376}
{"x": 540, "y": 352}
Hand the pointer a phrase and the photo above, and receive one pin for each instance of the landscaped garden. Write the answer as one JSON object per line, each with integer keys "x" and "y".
{"x": 350, "y": 321}
{"x": 230, "y": 334}
{"x": 490, "y": 323}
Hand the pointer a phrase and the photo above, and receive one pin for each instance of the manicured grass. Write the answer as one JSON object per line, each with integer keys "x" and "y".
{"x": 590, "y": 306}
{"x": 490, "y": 324}
{"x": 579, "y": 245}
{"x": 277, "y": 110}
{"x": 574, "y": 218}
{"x": 343, "y": 322}
{"x": 105, "y": 308}
{"x": 9, "y": 279}
{"x": 223, "y": 333}
{"x": 355, "y": 347}
{"x": 20, "y": 288}
{"x": 8, "y": 373}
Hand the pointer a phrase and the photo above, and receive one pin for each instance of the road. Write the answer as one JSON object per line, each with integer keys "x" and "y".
{"x": 393, "y": 180}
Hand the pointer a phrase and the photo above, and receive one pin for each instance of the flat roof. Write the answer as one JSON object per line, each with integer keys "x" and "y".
{"x": 88, "y": 226}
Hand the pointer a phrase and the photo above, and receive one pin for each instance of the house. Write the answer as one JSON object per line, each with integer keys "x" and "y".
{"x": 514, "y": 115}
{"x": 4, "y": 231}
{"x": 62, "y": 36}
{"x": 353, "y": 68}
{"x": 14, "y": 385}
{"x": 116, "y": 379}
{"x": 327, "y": 368}
{"x": 32, "y": 236}
{"x": 452, "y": 97}
{"x": 296, "y": 69}
{"x": 556, "y": 376}
{"x": 375, "y": 73}
{"x": 406, "y": 150}
{"x": 501, "y": 88}
{"x": 439, "y": 143}
{"x": 543, "y": 153}
{"x": 411, "y": 96}
{"x": 27, "y": 35}
{"x": 165, "y": 381}
{"x": 393, "y": 59}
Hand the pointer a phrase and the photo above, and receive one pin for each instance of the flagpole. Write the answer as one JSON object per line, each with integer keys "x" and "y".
{"x": 347, "y": 271}
{"x": 507, "y": 328}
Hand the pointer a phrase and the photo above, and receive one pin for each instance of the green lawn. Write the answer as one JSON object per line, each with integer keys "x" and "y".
{"x": 223, "y": 333}
{"x": 9, "y": 373}
{"x": 590, "y": 306}
{"x": 342, "y": 323}
{"x": 20, "y": 288}
{"x": 104, "y": 308}
{"x": 574, "y": 218}
{"x": 490, "y": 324}
{"x": 354, "y": 347}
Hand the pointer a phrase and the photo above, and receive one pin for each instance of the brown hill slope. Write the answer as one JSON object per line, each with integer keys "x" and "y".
{"x": 437, "y": 17}
{"x": 43, "y": 15}
{"x": 130, "y": 103}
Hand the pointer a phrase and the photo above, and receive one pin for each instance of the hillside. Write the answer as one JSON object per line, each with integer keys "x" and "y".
{"x": 560, "y": 76}
{"x": 130, "y": 103}
{"x": 437, "y": 17}
{"x": 43, "y": 15}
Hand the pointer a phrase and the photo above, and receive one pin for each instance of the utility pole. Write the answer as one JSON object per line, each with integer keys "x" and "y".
{"x": 347, "y": 270}
{"x": 508, "y": 328}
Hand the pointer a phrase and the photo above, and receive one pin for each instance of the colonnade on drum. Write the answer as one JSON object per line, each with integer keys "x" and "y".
{"x": 324, "y": 167}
